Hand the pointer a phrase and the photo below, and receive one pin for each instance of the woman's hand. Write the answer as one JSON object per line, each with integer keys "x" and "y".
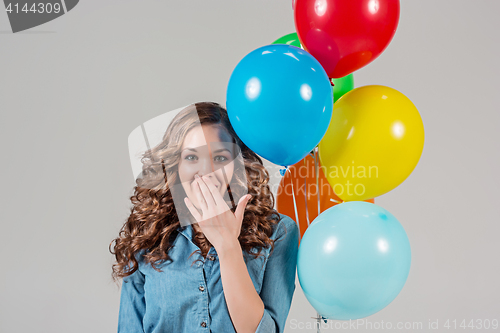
{"x": 221, "y": 227}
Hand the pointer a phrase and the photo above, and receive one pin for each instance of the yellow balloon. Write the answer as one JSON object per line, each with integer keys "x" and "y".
{"x": 374, "y": 141}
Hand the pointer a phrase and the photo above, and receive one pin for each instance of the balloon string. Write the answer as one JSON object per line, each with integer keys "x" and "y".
{"x": 316, "y": 157}
{"x": 316, "y": 169}
{"x": 316, "y": 163}
{"x": 295, "y": 205}
{"x": 305, "y": 194}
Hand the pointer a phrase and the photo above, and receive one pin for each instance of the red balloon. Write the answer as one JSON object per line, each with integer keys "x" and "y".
{"x": 345, "y": 35}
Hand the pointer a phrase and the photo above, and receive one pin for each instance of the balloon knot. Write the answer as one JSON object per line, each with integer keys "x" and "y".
{"x": 331, "y": 81}
{"x": 282, "y": 171}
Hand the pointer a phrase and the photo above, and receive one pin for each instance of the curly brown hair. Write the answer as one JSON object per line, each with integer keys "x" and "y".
{"x": 153, "y": 220}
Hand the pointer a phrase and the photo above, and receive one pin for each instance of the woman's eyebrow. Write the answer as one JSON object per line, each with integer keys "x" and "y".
{"x": 216, "y": 151}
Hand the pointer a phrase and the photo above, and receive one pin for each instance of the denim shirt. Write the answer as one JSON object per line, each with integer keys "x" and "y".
{"x": 185, "y": 298}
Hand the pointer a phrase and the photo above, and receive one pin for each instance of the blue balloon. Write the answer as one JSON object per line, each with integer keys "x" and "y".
{"x": 280, "y": 102}
{"x": 353, "y": 260}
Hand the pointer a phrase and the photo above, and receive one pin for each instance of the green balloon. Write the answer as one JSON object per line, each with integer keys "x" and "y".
{"x": 290, "y": 39}
{"x": 341, "y": 85}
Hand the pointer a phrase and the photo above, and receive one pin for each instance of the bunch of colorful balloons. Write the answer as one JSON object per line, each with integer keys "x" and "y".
{"x": 293, "y": 102}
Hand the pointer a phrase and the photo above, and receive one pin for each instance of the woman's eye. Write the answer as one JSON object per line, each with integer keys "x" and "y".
{"x": 219, "y": 158}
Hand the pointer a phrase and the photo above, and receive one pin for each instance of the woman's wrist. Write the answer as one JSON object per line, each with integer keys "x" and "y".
{"x": 229, "y": 247}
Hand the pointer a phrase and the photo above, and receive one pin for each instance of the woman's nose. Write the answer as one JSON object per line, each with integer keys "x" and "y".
{"x": 206, "y": 167}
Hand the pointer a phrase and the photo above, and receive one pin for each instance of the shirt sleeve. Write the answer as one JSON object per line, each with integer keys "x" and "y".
{"x": 278, "y": 283}
{"x": 132, "y": 304}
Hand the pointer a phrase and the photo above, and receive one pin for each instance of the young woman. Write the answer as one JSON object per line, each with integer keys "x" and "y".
{"x": 242, "y": 274}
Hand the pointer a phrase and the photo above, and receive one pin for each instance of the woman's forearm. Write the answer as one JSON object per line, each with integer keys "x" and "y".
{"x": 244, "y": 303}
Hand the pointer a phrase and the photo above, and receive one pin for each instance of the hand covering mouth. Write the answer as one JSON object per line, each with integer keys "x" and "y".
{"x": 194, "y": 182}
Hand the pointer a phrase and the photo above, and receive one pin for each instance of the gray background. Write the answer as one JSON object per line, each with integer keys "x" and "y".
{"x": 73, "y": 89}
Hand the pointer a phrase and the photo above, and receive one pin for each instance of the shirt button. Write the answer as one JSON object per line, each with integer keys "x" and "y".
{"x": 203, "y": 324}
{"x": 201, "y": 288}
{"x": 212, "y": 258}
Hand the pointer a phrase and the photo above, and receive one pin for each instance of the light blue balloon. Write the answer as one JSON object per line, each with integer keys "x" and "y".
{"x": 353, "y": 260}
{"x": 280, "y": 102}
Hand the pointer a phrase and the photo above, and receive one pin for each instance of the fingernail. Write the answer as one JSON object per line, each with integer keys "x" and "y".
{"x": 196, "y": 176}
{"x": 249, "y": 196}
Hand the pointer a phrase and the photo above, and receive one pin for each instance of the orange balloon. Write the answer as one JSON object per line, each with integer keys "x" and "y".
{"x": 302, "y": 178}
